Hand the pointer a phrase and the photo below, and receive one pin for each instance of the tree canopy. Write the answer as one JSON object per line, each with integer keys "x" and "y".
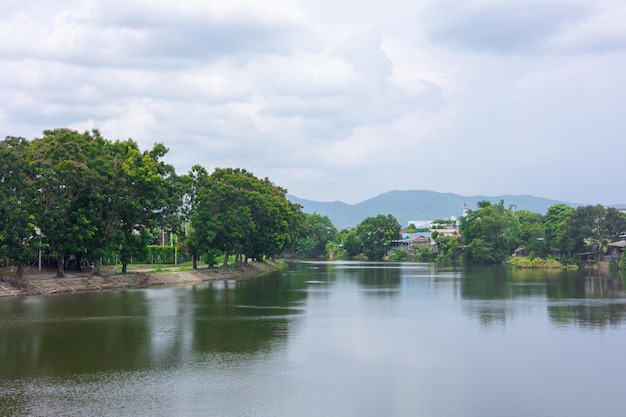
{"x": 236, "y": 213}
{"x": 316, "y": 233}
{"x": 376, "y": 233}
{"x": 489, "y": 233}
{"x": 80, "y": 194}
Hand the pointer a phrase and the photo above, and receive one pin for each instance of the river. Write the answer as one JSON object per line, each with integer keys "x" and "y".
{"x": 324, "y": 339}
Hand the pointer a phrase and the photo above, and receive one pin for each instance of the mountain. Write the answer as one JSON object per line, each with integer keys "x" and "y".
{"x": 416, "y": 205}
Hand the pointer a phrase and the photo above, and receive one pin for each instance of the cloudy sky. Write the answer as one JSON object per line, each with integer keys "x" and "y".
{"x": 337, "y": 100}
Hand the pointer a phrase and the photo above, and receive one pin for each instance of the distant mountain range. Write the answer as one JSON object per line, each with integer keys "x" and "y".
{"x": 416, "y": 205}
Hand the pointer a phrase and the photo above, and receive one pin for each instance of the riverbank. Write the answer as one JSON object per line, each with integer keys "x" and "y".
{"x": 38, "y": 283}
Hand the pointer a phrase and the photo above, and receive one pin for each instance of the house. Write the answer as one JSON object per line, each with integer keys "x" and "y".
{"x": 521, "y": 251}
{"x": 615, "y": 250}
{"x": 410, "y": 240}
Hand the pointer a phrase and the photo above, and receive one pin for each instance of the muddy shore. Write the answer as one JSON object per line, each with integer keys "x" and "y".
{"x": 45, "y": 283}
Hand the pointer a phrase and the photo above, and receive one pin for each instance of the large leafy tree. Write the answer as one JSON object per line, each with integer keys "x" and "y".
{"x": 375, "y": 234}
{"x": 71, "y": 175}
{"x": 489, "y": 233}
{"x": 17, "y": 191}
{"x": 555, "y": 221}
{"x": 93, "y": 195}
{"x": 350, "y": 241}
{"x": 145, "y": 194}
{"x": 590, "y": 229}
{"x": 237, "y": 213}
{"x": 318, "y": 230}
{"x": 531, "y": 232}
{"x": 275, "y": 216}
{"x": 191, "y": 213}
{"x": 614, "y": 223}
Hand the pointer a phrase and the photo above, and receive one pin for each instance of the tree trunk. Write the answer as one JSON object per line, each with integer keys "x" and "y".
{"x": 96, "y": 266}
{"x": 226, "y": 255}
{"x": 124, "y": 264}
{"x": 61, "y": 267}
{"x": 194, "y": 261}
{"x": 19, "y": 280}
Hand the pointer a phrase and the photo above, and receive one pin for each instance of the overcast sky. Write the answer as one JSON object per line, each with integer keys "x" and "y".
{"x": 337, "y": 100}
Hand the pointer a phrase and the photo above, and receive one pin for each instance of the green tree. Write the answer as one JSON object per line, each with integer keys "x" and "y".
{"x": 146, "y": 195}
{"x": 614, "y": 224}
{"x": 489, "y": 233}
{"x": 351, "y": 242}
{"x": 555, "y": 221}
{"x": 531, "y": 233}
{"x": 582, "y": 231}
{"x": 69, "y": 176}
{"x": 192, "y": 242}
{"x": 318, "y": 230}
{"x": 447, "y": 246}
{"x": 590, "y": 229}
{"x": 17, "y": 192}
{"x": 237, "y": 213}
{"x": 376, "y": 233}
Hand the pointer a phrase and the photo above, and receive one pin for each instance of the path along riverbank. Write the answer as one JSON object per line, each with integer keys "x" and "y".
{"x": 38, "y": 283}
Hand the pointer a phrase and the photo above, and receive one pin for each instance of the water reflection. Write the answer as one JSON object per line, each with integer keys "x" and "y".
{"x": 585, "y": 314}
{"x": 65, "y": 335}
{"x": 323, "y": 338}
{"x": 248, "y": 319}
{"x": 131, "y": 330}
{"x": 505, "y": 291}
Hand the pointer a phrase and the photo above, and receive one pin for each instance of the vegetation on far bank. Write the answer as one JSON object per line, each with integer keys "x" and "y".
{"x": 537, "y": 263}
{"x": 564, "y": 237}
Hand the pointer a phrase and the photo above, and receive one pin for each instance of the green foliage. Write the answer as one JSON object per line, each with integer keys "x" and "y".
{"x": 531, "y": 234}
{"x": 76, "y": 201}
{"x": 146, "y": 194}
{"x": 555, "y": 222}
{"x": 590, "y": 229}
{"x": 527, "y": 262}
{"x": 398, "y": 255}
{"x": 18, "y": 233}
{"x": 234, "y": 212}
{"x": 350, "y": 241}
{"x": 317, "y": 232}
{"x": 376, "y": 233}
{"x": 159, "y": 254}
{"x": 87, "y": 195}
{"x": 332, "y": 249}
{"x": 447, "y": 246}
{"x": 489, "y": 233}
{"x": 426, "y": 255}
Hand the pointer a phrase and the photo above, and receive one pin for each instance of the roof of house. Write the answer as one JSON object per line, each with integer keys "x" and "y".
{"x": 619, "y": 244}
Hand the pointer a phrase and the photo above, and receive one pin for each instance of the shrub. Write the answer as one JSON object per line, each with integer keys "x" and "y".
{"x": 398, "y": 255}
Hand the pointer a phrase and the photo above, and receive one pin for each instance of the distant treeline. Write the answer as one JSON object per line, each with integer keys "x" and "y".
{"x": 489, "y": 234}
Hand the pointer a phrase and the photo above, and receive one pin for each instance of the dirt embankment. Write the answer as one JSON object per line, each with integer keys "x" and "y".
{"x": 38, "y": 283}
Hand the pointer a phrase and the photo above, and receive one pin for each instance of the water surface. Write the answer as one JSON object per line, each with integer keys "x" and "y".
{"x": 324, "y": 339}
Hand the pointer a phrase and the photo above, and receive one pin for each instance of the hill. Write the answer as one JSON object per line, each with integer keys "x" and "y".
{"x": 416, "y": 205}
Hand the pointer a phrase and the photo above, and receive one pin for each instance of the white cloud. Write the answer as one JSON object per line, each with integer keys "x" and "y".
{"x": 335, "y": 101}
